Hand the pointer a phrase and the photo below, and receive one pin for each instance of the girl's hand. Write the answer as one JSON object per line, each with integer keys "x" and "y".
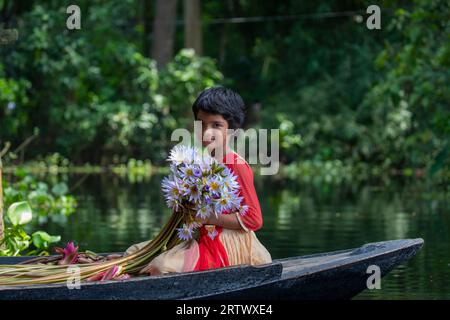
{"x": 210, "y": 220}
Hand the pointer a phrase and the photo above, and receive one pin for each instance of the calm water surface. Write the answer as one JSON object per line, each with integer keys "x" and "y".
{"x": 299, "y": 219}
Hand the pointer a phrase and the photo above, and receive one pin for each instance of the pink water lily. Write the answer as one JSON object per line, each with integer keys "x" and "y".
{"x": 69, "y": 254}
{"x": 113, "y": 273}
{"x": 97, "y": 277}
{"x": 124, "y": 276}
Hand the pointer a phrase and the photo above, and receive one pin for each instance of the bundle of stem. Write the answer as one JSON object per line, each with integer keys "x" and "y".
{"x": 28, "y": 274}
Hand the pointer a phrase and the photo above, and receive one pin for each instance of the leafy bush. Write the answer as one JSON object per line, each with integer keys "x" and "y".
{"x": 16, "y": 241}
{"x": 92, "y": 93}
{"x": 408, "y": 109}
{"x": 46, "y": 201}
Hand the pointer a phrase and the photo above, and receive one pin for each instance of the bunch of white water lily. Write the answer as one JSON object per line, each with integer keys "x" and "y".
{"x": 199, "y": 186}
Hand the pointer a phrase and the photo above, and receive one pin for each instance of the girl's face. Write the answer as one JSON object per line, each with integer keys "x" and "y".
{"x": 214, "y": 132}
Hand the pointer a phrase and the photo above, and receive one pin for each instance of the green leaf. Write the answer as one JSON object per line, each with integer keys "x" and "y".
{"x": 19, "y": 213}
{"x": 42, "y": 239}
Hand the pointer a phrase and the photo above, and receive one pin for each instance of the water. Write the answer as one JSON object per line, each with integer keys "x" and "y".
{"x": 299, "y": 219}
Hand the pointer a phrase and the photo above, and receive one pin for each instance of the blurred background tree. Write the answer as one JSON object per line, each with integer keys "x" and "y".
{"x": 337, "y": 91}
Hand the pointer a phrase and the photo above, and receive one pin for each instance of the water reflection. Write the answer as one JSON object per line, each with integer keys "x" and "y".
{"x": 298, "y": 219}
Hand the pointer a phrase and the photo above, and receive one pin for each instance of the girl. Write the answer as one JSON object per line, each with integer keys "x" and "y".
{"x": 219, "y": 109}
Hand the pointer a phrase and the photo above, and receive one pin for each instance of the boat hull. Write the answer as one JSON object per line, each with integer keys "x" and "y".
{"x": 334, "y": 275}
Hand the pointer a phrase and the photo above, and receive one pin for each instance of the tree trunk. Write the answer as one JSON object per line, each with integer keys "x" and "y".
{"x": 163, "y": 31}
{"x": 146, "y": 7}
{"x": 193, "y": 26}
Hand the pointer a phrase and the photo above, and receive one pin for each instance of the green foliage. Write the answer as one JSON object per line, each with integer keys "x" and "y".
{"x": 183, "y": 79}
{"x": 19, "y": 213}
{"x": 313, "y": 75}
{"x": 42, "y": 239}
{"x": 23, "y": 195}
{"x": 96, "y": 95}
{"x": 409, "y": 109}
{"x": 336, "y": 90}
{"x": 46, "y": 202}
{"x": 16, "y": 241}
{"x": 362, "y": 103}
{"x": 12, "y": 95}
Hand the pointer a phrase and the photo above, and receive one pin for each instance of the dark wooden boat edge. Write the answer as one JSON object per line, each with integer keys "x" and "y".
{"x": 331, "y": 275}
{"x": 352, "y": 280}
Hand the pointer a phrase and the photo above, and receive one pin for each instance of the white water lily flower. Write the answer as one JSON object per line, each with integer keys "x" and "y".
{"x": 183, "y": 154}
{"x": 199, "y": 181}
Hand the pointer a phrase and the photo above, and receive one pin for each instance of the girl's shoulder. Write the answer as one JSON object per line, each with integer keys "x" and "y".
{"x": 237, "y": 163}
{"x": 233, "y": 158}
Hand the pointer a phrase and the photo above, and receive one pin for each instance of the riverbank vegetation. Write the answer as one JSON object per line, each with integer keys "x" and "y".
{"x": 338, "y": 92}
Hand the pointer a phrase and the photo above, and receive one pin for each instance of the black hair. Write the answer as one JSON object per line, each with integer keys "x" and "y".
{"x": 223, "y": 101}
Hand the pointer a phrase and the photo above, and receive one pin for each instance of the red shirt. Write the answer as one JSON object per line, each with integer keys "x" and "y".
{"x": 212, "y": 253}
{"x": 252, "y": 220}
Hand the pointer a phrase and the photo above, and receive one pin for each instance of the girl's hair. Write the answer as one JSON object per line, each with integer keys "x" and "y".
{"x": 223, "y": 101}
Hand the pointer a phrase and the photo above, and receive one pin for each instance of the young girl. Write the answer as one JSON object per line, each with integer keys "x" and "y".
{"x": 219, "y": 109}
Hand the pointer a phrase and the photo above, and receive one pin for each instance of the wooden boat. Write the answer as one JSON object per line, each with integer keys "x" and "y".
{"x": 333, "y": 275}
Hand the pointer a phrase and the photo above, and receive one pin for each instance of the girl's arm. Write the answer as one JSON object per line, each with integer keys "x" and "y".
{"x": 227, "y": 221}
{"x": 253, "y": 219}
